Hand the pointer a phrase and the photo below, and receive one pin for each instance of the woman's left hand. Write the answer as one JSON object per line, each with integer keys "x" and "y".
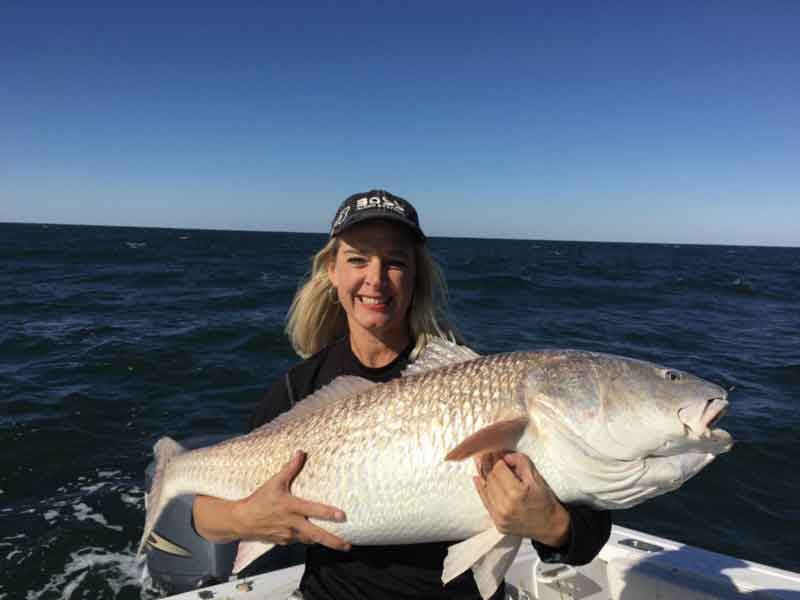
{"x": 519, "y": 500}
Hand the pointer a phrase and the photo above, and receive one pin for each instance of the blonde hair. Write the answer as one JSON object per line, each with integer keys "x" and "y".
{"x": 316, "y": 319}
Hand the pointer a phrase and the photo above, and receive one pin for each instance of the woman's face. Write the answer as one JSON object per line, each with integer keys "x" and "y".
{"x": 374, "y": 274}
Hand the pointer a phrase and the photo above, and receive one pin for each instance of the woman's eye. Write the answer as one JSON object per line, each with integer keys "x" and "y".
{"x": 356, "y": 260}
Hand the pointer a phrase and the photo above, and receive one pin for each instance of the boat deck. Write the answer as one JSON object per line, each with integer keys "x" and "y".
{"x": 632, "y": 566}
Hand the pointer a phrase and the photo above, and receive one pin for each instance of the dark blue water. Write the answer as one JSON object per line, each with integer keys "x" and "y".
{"x": 113, "y": 337}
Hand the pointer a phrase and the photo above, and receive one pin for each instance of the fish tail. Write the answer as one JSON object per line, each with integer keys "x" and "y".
{"x": 165, "y": 450}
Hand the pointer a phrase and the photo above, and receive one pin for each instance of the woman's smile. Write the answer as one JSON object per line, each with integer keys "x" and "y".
{"x": 375, "y": 303}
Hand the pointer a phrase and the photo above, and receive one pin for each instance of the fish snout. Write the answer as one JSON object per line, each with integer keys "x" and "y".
{"x": 700, "y": 419}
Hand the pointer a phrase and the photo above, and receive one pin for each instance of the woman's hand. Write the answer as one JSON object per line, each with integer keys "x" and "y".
{"x": 271, "y": 513}
{"x": 519, "y": 501}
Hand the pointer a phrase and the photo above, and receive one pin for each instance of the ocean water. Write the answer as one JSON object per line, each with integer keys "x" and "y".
{"x": 113, "y": 337}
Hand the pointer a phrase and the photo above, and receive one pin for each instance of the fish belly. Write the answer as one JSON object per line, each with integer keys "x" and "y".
{"x": 404, "y": 506}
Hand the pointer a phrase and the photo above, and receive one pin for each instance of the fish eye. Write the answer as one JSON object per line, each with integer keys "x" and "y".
{"x": 672, "y": 376}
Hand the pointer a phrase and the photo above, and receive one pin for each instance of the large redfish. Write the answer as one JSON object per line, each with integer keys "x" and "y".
{"x": 605, "y": 431}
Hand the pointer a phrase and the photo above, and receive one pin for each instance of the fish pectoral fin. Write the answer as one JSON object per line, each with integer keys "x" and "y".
{"x": 248, "y": 552}
{"x": 489, "y": 554}
{"x": 502, "y": 435}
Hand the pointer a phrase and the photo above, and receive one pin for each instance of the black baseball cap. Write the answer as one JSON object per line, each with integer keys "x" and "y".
{"x": 376, "y": 204}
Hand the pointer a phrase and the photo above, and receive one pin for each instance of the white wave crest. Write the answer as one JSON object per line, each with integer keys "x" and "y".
{"x": 118, "y": 570}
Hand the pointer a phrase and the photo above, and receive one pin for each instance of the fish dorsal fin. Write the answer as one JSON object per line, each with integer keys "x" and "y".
{"x": 439, "y": 352}
{"x": 341, "y": 387}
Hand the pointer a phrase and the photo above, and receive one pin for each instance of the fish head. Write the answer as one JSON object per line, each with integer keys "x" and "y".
{"x": 651, "y": 410}
{"x": 627, "y": 429}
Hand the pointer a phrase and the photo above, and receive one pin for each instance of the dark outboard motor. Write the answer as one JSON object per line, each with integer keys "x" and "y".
{"x": 180, "y": 560}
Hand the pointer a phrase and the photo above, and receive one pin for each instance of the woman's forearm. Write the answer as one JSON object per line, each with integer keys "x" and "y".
{"x": 215, "y": 519}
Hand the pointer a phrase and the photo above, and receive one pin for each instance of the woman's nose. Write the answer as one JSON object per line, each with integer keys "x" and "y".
{"x": 375, "y": 274}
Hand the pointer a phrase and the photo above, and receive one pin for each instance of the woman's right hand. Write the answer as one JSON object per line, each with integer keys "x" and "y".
{"x": 271, "y": 514}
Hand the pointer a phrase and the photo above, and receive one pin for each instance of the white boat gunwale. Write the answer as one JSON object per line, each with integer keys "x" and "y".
{"x": 641, "y": 565}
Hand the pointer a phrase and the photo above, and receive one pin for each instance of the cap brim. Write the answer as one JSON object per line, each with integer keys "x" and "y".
{"x": 382, "y": 216}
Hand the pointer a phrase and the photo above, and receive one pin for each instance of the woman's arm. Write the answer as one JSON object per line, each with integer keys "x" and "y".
{"x": 521, "y": 503}
{"x": 271, "y": 514}
{"x": 589, "y": 532}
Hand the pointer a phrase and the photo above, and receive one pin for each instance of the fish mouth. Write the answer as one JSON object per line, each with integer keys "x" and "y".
{"x": 699, "y": 422}
{"x": 701, "y": 428}
{"x": 715, "y": 409}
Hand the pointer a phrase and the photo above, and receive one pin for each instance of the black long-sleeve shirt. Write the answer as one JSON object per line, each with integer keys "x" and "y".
{"x": 408, "y": 571}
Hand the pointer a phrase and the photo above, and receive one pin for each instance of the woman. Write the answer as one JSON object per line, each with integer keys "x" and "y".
{"x": 370, "y": 304}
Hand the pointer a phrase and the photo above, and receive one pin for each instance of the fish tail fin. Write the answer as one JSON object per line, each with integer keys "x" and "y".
{"x": 165, "y": 450}
{"x": 489, "y": 554}
{"x": 248, "y": 552}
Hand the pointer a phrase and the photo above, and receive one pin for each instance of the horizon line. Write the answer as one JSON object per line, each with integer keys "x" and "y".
{"x": 460, "y": 237}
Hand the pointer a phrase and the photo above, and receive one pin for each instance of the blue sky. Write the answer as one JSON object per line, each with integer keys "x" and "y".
{"x": 628, "y": 121}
